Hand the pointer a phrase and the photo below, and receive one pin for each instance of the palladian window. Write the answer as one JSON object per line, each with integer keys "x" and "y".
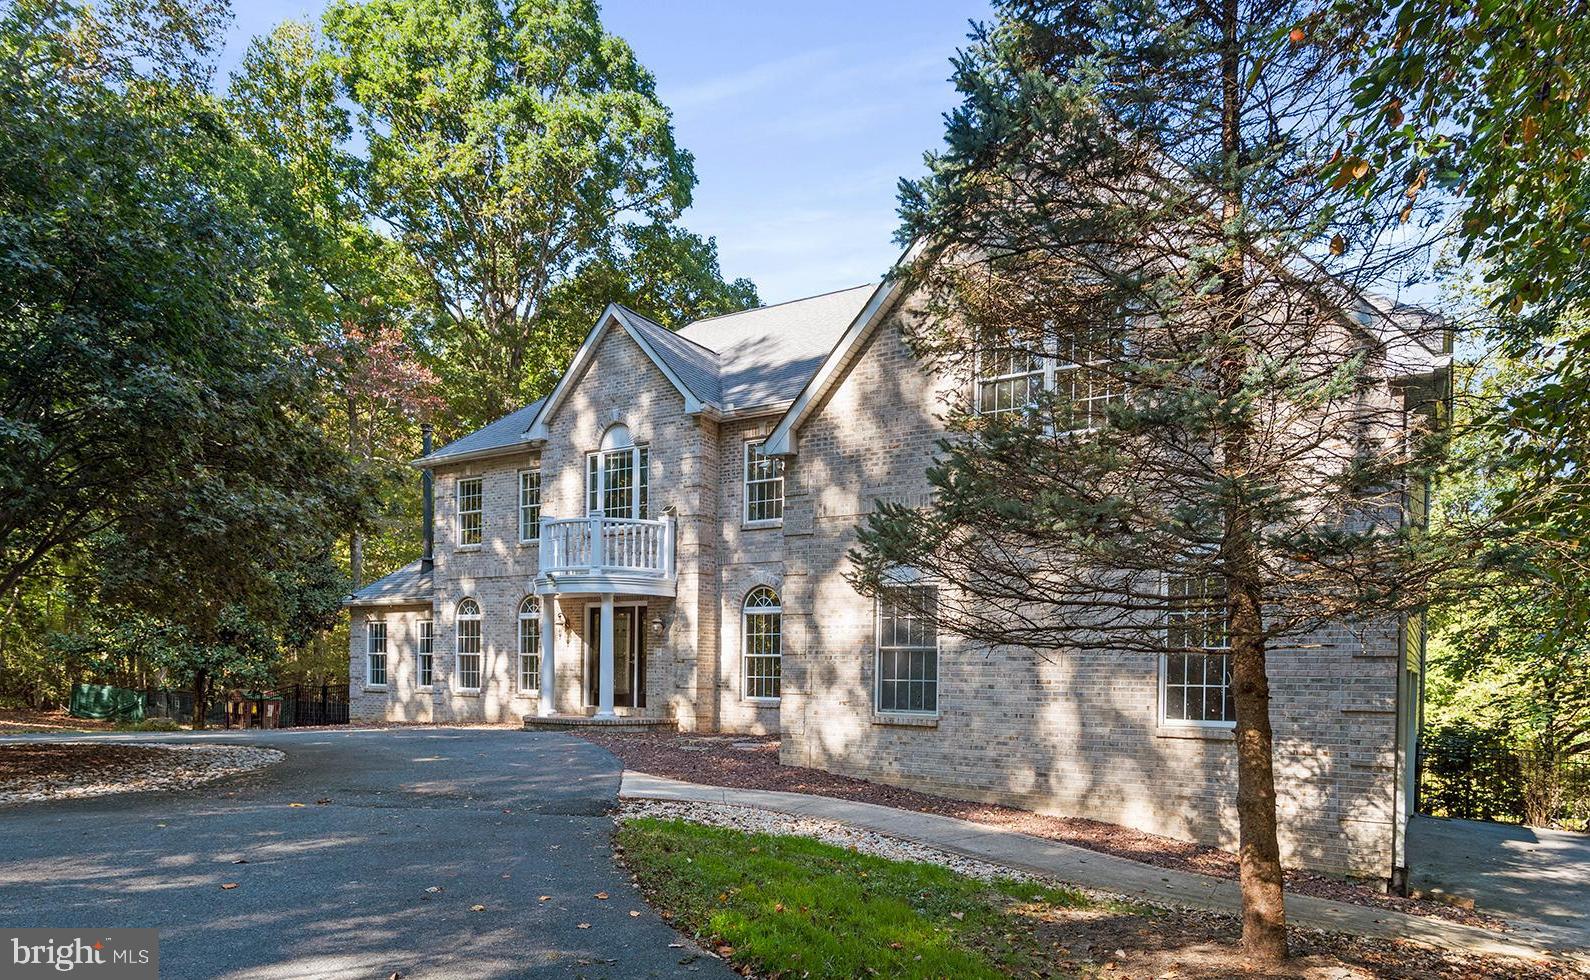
{"x": 616, "y": 476}
{"x": 762, "y": 623}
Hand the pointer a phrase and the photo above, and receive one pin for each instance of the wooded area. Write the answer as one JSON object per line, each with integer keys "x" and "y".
{"x": 226, "y": 307}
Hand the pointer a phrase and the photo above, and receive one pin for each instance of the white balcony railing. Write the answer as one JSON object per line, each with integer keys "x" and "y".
{"x": 602, "y": 546}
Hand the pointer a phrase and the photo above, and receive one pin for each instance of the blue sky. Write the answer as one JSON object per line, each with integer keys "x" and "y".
{"x": 801, "y": 116}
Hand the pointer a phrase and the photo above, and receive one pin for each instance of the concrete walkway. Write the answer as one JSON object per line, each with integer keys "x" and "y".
{"x": 1089, "y": 869}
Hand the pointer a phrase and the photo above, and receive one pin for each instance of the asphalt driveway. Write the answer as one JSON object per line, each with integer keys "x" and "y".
{"x": 340, "y": 886}
{"x": 1538, "y": 879}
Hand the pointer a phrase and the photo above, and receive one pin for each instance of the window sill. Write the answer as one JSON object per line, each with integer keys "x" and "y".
{"x": 761, "y": 525}
{"x": 763, "y": 702}
{"x": 375, "y": 687}
{"x": 528, "y": 695}
{"x": 529, "y": 543}
{"x": 1209, "y": 733}
{"x": 467, "y": 692}
{"x": 905, "y": 720}
{"x": 467, "y": 547}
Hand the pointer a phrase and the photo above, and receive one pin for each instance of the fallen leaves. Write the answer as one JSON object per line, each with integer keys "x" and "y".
{"x": 602, "y": 896}
{"x": 543, "y": 898}
{"x": 583, "y": 925}
{"x": 229, "y": 886}
{"x": 477, "y": 908}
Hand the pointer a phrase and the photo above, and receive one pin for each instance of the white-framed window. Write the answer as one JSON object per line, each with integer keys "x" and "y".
{"x": 529, "y": 505}
{"x": 470, "y": 511}
{"x": 1011, "y": 378}
{"x": 375, "y": 654}
{"x": 764, "y": 486}
{"x": 762, "y": 629}
{"x": 530, "y": 644}
{"x": 468, "y": 640}
{"x": 908, "y": 650}
{"x": 617, "y": 476}
{"x": 1195, "y": 669}
{"x": 425, "y": 653}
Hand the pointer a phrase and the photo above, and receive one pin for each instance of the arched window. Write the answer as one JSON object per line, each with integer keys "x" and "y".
{"x": 762, "y": 626}
{"x": 468, "y": 645}
{"x": 617, "y": 475}
{"x": 529, "y": 644}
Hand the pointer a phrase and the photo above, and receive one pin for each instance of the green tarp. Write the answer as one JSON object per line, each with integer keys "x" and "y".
{"x": 103, "y": 701}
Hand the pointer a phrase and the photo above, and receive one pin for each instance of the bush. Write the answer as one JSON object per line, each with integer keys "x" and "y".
{"x": 150, "y": 725}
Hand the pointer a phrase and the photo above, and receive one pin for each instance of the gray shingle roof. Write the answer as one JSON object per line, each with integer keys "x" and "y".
{"x": 404, "y": 586}
{"x": 695, "y": 365}
{"x": 735, "y": 361}
{"x": 505, "y": 432}
{"x": 767, "y": 355}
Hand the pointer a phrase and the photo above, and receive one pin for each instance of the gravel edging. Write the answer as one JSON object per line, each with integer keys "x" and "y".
{"x": 752, "y": 762}
{"x": 32, "y": 772}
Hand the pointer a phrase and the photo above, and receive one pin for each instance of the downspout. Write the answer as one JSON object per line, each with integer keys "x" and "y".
{"x": 428, "y": 532}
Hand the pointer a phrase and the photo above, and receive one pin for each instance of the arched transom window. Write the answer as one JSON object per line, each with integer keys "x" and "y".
{"x": 762, "y": 623}
{"x": 468, "y": 645}
{"x": 616, "y": 476}
{"x": 529, "y": 644}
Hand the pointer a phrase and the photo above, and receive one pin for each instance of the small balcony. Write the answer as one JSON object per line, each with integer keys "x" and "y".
{"x": 596, "y": 555}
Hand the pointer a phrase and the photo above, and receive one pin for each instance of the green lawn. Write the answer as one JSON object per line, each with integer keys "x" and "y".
{"x": 789, "y": 906}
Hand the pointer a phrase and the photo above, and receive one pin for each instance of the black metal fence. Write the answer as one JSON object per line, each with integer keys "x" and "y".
{"x": 289, "y": 707}
{"x": 1473, "y": 773}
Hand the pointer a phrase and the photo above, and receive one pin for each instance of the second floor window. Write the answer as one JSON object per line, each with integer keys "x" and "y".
{"x": 764, "y": 486}
{"x": 1195, "y": 671}
{"x": 529, "y": 505}
{"x": 470, "y": 520}
{"x": 1010, "y": 379}
{"x": 617, "y": 476}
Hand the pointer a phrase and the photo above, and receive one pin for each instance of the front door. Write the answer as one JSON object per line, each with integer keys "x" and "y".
{"x": 629, "y": 656}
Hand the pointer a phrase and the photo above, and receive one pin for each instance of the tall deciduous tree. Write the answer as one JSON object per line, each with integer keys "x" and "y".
{"x": 157, "y": 422}
{"x": 1189, "y": 437}
{"x": 505, "y": 144}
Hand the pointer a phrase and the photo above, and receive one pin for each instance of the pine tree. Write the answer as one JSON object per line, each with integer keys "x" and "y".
{"x": 1191, "y": 431}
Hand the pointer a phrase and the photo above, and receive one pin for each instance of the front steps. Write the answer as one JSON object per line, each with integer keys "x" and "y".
{"x": 618, "y": 726}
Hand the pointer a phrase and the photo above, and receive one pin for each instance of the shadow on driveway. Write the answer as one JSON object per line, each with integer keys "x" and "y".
{"x": 341, "y": 885}
{"x": 1538, "y": 878}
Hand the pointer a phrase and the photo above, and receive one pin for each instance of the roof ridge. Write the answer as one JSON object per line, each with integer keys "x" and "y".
{"x": 769, "y": 306}
{"x": 675, "y": 333}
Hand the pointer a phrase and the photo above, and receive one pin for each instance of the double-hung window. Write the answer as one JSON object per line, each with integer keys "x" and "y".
{"x": 529, "y": 645}
{"x": 1077, "y": 366}
{"x": 1195, "y": 670}
{"x": 470, "y": 505}
{"x": 764, "y": 486}
{"x": 425, "y": 654}
{"x": 375, "y": 654}
{"x": 762, "y": 623}
{"x": 908, "y": 649}
{"x": 469, "y": 650}
{"x": 529, "y": 505}
{"x": 616, "y": 476}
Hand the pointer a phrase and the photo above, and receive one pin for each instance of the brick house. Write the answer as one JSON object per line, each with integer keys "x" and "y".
{"x": 661, "y": 542}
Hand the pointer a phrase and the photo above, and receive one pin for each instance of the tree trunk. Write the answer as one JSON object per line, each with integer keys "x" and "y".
{"x": 199, "y": 681}
{"x": 1259, "y": 849}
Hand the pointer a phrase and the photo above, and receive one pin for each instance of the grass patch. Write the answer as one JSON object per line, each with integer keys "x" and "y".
{"x": 790, "y": 906}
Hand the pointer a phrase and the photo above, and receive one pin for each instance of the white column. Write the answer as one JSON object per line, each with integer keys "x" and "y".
{"x": 604, "y": 708}
{"x": 549, "y": 642}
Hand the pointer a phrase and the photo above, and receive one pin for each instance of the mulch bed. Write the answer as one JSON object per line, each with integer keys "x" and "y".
{"x": 1188, "y": 945}
{"x": 751, "y": 762}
